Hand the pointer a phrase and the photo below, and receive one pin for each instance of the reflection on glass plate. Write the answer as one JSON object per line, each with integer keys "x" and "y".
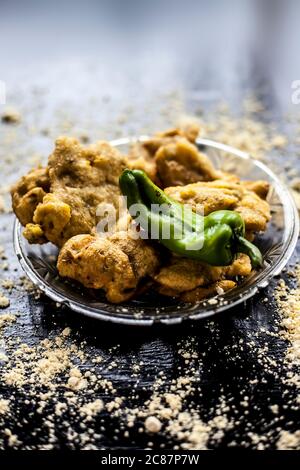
{"x": 277, "y": 245}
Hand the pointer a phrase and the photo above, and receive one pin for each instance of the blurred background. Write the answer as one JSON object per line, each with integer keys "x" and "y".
{"x": 110, "y": 68}
{"x": 212, "y": 49}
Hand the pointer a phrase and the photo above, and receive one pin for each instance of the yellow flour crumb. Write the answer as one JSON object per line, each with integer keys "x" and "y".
{"x": 288, "y": 441}
{"x": 152, "y": 424}
{"x": 6, "y": 319}
{"x": 11, "y": 116}
{"x": 4, "y": 301}
{"x": 4, "y": 406}
{"x": 91, "y": 409}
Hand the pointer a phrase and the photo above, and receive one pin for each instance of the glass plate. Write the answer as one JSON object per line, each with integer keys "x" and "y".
{"x": 277, "y": 245}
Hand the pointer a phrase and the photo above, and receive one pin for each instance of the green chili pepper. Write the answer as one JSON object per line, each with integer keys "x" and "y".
{"x": 215, "y": 239}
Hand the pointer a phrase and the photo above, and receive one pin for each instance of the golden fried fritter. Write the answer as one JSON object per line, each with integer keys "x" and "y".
{"x": 207, "y": 198}
{"x": 28, "y": 192}
{"x": 260, "y": 187}
{"x": 79, "y": 179}
{"x": 255, "y": 212}
{"x": 187, "y": 130}
{"x": 34, "y": 234}
{"x": 180, "y": 163}
{"x": 51, "y": 216}
{"x": 240, "y": 267}
{"x": 142, "y": 156}
{"x": 221, "y": 194}
{"x": 182, "y": 274}
{"x": 201, "y": 293}
{"x": 116, "y": 264}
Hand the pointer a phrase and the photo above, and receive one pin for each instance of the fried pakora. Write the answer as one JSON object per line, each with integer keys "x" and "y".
{"x": 172, "y": 158}
{"x": 185, "y": 275}
{"x": 201, "y": 293}
{"x": 28, "y": 192}
{"x": 61, "y": 201}
{"x": 116, "y": 264}
{"x": 207, "y": 197}
{"x": 180, "y": 163}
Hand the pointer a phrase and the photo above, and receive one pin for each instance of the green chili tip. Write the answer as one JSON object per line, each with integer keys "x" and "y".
{"x": 244, "y": 246}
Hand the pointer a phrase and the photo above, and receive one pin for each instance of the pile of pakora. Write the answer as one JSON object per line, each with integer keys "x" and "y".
{"x": 58, "y": 204}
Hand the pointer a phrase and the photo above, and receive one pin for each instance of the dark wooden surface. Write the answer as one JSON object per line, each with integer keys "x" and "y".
{"x": 105, "y": 69}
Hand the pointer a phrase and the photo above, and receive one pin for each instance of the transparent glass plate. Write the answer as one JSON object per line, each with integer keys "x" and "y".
{"x": 277, "y": 245}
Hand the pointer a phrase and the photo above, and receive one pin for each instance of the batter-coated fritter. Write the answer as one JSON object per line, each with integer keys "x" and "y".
{"x": 140, "y": 158}
{"x": 171, "y": 158}
{"x": 28, "y": 192}
{"x": 182, "y": 274}
{"x": 187, "y": 130}
{"x": 180, "y": 163}
{"x": 116, "y": 264}
{"x": 79, "y": 179}
{"x": 201, "y": 293}
{"x": 223, "y": 194}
